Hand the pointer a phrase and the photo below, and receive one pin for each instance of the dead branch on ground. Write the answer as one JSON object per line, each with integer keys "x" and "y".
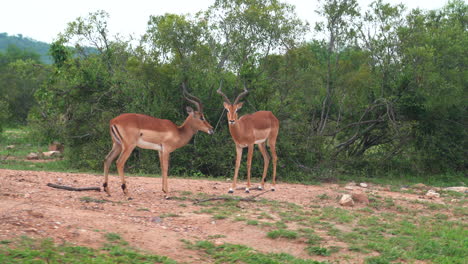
{"x": 76, "y": 189}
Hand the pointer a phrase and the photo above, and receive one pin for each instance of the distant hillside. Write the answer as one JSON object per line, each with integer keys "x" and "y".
{"x": 21, "y": 42}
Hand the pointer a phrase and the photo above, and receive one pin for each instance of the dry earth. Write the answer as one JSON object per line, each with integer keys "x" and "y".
{"x": 29, "y": 207}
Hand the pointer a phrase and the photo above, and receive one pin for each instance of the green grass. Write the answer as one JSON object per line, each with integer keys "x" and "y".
{"x": 230, "y": 253}
{"x": 282, "y": 233}
{"x": 28, "y": 250}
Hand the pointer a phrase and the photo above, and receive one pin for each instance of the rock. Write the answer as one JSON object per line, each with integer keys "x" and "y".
{"x": 346, "y": 200}
{"x": 51, "y": 153}
{"x": 363, "y": 185}
{"x": 350, "y": 188}
{"x": 461, "y": 189}
{"x": 10, "y": 147}
{"x": 431, "y": 194}
{"x": 419, "y": 186}
{"x": 360, "y": 197}
{"x": 156, "y": 219}
{"x": 32, "y": 156}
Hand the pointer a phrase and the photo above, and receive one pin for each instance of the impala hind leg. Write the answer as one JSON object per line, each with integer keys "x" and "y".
{"x": 275, "y": 160}
{"x": 164, "y": 163}
{"x": 120, "y": 167}
{"x": 266, "y": 162}
{"x": 115, "y": 151}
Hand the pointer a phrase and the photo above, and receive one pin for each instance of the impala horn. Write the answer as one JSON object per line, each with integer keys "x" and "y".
{"x": 239, "y": 97}
{"x": 192, "y": 99}
{"x": 226, "y": 99}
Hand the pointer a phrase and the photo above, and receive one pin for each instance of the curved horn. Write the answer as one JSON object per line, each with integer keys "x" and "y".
{"x": 192, "y": 99}
{"x": 226, "y": 99}
{"x": 244, "y": 93}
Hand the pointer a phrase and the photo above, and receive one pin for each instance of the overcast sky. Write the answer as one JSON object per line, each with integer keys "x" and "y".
{"x": 43, "y": 19}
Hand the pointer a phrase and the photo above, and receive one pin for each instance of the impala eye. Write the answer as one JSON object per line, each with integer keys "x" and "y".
{"x": 202, "y": 118}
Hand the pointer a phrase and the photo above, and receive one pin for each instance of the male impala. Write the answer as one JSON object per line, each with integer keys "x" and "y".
{"x": 248, "y": 130}
{"x": 136, "y": 130}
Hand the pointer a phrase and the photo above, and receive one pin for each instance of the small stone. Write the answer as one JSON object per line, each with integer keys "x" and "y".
{"x": 431, "y": 194}
{"x": 349, "y": 188}
{"x": 346, "y": 200}
{"x": 156, "y": 219}
{"x": 419, "y": 186}
{"x": 51, "y": 153}
{"x": 32, "y": 156}
{"x": 360, "y": 197}
{"x": 10, "y": 147}
{"x": 363, "y": 185}
{"x": 461, "y": 189}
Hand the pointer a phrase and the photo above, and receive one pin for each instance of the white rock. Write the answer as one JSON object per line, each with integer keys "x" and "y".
{"x": 346, "y": 200}
{"x": 461, "y": 189}
{"x": 363, "y": 185}
{"x": 432, "y": 194}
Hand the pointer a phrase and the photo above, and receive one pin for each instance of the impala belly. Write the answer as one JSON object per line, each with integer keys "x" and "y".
{"x": 261, "y": 135}
{"x": 148, "y": 145}
{"x": 151, "y": 140}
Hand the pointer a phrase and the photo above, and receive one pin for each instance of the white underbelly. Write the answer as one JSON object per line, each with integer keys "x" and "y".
{"x": 260, "y": 141}
{"x": 148, "y": 145}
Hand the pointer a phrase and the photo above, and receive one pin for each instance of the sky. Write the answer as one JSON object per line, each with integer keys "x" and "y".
{"x": 43, "y": 20}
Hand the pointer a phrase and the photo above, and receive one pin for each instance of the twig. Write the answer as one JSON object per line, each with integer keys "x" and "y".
{"x": 68, "y": 188}
{"x": 247, "y": 199}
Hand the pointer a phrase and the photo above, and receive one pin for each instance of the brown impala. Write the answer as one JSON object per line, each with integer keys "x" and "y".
{"x": 248, "y": 130}
{"x": 136, "y": 130}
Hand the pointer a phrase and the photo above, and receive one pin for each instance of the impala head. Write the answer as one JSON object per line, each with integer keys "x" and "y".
{"x": 232, "y": 108}
{"x": 196, "y": 117}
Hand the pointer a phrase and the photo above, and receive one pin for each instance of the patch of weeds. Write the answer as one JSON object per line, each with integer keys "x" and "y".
{"x": 435, "y": 206}
{"x": 264, "y": 215}
{"x": 280, "y": 225}
{"x": 460, "y": 211}
{"x": 230, "y": 253}
{"x": 183, "y": 205}
{"x": 88, "y": 199}
{"x": 320, "y": 251}
{"x": 323, "y": 196}
{"x": 441, "y": 216}
{"x": 282, "y": 233}
{"x": 220, "y": 216}
{"x": 169, "y": 215}
{"x": 216, "y": 236}
{"x": 338, "y": 214}
{"x": 27, "y": 250}
{"x": 5, "y": 242}
{"x": 112, "y": 237}
{"x": 240, "y": 218}
{"x": 143, "y": 210}
{"x": 252, "y": 222}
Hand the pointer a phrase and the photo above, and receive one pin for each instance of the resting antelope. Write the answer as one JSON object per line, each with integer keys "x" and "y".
{"x": 136, "y": 130}
{"x": 248, "y": 130}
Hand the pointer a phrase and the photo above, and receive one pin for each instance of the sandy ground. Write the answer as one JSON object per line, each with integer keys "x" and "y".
{"x": 29, "y": 207}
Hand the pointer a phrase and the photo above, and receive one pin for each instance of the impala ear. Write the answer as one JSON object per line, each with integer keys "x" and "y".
{"x": 239, "y": 106}
{"x": 226, "y": 105}
{"x": 189, "y": 110}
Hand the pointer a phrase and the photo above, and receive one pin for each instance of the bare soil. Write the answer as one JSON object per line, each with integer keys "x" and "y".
{"x": 29, "y": 207}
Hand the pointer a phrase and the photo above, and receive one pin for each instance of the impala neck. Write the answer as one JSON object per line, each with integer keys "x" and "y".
{"x": 186, "y": 131}
{"x": 236, "y": 129}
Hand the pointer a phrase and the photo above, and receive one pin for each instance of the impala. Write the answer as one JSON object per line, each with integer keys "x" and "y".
{"x": 257, "y": 128}
{"x": 136, "y": 130}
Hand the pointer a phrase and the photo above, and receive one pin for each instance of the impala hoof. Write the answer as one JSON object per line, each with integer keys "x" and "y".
{"x": 272, "y": 189}
{"x": 129, "y": 198}
{"x": 260, "y": 188}
{"x": 230, "y": 191}
{"x": 247, "y": 190}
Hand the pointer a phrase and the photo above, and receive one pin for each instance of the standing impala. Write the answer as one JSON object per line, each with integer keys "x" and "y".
{"x": 136, "y": 130}
{"x": 248, "y": 130}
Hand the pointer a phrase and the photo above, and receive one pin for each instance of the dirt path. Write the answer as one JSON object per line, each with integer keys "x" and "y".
{"x": 29, "y": 207}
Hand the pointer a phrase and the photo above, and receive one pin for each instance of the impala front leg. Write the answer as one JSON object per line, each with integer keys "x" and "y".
{"x": 236, "y": 170}
{"x": 249, "y": 165}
